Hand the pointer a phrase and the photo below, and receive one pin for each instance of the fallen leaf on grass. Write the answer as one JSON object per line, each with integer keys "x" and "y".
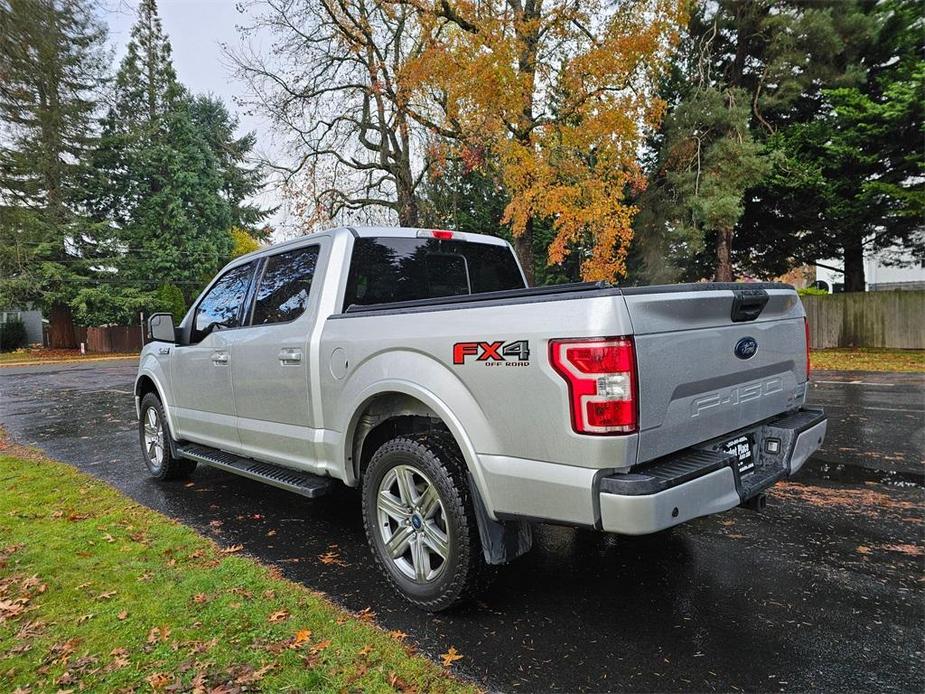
{"x": 200, "y": 598}
{"x": 366, "y": 650}
{"x": 85, "y": 618}
{"x": 122, "y": 616}
{"x": 161, "y": 633}
{"x": 197, "y": 647}
{"x": 106, "y": 595}
{"x": 279, "y": 616}
{"x": 251, "y": 676}
{"x": 120, "y": 659}
{"x": 232, "y": 549}
{"x": 366, "y": 615}
{"x": 158, "y": 680}
{"x": 301, "y": 636}
{"x": 33, "y": 582}
{"x": 451, "y": 656}
{"x": 320, "y": 646}
{"x": 397, "y": 683}
{"x": 10, "y": 609}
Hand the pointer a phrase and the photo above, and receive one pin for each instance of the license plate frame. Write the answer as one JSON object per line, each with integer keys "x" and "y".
{"x": 743, "y": 448}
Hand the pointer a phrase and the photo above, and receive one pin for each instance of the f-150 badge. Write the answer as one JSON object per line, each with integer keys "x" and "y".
{"x": 515, "y": 353}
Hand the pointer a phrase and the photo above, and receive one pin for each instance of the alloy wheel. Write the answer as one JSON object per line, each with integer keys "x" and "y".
{"x": 412, "y": 524}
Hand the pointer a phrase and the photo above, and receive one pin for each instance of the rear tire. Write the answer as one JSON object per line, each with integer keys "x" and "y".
{"x": 154, "y": 435}
{"x": 420, "y": 521}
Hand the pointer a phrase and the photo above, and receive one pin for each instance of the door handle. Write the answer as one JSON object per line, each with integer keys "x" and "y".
{"x": 290, "y": 356}
{"x": 219, "y": 357}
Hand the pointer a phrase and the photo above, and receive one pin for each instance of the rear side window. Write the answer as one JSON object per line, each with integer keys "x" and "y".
{"x": 385, "y": 270}
{"x": 221, "y": 307}
{"x": 284, "y": 288}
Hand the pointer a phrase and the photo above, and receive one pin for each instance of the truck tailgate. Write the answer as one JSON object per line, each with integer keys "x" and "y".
{"x": 693, "y": 386}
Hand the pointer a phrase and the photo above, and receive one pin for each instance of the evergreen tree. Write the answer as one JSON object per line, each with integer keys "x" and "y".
{"x": 158, "y": 181}
{"x": 240, "y": 181}
{"x": 849, "y": 178}
{"x": 146, "y": 87}
{"x": 52, "y": 62}
{"x": 770, "y": 64}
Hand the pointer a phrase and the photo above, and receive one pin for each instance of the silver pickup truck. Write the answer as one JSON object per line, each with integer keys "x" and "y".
{"x": 418, "y": 366}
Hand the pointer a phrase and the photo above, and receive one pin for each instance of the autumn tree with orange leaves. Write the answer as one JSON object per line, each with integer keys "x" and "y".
{"x": 560, "y": 94}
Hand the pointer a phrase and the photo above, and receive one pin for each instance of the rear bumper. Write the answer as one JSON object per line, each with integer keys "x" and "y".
{"x": 705, "y": 480}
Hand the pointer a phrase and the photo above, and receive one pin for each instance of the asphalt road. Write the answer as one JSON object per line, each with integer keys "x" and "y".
{"x": 824, "y": 590}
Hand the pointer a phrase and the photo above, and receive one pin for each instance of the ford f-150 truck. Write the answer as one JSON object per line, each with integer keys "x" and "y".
{"x": 418, "y": 366}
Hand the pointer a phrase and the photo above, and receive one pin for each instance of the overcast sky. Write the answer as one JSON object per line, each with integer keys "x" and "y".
{"x": 196, "y": 29}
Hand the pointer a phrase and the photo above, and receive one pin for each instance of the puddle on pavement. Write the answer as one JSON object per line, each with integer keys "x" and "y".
{"x": 858, "y": 474}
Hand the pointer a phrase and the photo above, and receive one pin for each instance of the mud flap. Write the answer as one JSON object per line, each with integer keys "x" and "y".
{"x": 502, "y": 541}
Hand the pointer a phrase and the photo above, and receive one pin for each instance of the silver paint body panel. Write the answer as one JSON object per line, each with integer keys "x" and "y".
{"x": 512, "y": 423}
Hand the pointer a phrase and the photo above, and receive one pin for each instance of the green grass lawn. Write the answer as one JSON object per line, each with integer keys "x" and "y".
{"x": 98, "y": 593}
{"x": 868, "y": 359}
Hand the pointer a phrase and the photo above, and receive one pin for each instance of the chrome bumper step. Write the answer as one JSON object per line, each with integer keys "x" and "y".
{"x": 303, "y": 483}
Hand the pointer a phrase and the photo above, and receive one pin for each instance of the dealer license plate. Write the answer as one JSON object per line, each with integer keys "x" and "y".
{"x": 741, "y": 448}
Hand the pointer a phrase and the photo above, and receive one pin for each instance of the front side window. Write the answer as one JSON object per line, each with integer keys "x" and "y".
{"x": 221, "y": 307}
{"x": 283, "y": 292}
{"x": 384, "y": 270}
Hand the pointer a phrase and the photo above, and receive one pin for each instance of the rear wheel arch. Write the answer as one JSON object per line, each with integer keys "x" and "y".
{"x": 402, "y": 412}
{"x": 383, "y": 417}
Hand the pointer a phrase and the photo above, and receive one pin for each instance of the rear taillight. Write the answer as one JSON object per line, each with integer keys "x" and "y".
{"x": 806, "y": 326}
{"x": 601, "y": 377}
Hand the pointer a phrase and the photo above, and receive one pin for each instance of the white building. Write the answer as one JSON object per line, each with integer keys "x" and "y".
{"x": 880, "y": 270}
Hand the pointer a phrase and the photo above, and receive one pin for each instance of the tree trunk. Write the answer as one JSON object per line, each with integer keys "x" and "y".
{"x": 724, "y": 256}
{"x": 854, "y": 266}
{"x": 523, "y": 247}
{"x": 61, "y": 334}
{"x": 407, "y": 205}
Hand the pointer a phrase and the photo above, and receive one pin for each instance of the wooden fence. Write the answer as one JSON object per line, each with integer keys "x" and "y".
{"x": 867, "y": 319}
{"x": 114, "y": 338}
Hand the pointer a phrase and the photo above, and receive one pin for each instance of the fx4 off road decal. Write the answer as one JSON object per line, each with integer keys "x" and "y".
{"x": 498, "y": 353}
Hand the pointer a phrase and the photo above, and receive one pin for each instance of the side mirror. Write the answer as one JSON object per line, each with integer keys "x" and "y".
{"x": 161, "y": 329}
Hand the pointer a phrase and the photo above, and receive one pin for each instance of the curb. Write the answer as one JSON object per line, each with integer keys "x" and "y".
{"x": 40, "y": 362}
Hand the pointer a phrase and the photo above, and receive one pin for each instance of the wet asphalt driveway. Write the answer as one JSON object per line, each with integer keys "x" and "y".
{"x": 824, "y": 590}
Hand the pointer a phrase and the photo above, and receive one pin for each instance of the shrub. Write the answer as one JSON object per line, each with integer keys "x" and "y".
{"x": 12, "y": 335}
{"x": 812, "y": 291}
{"x": 170, "y": 299}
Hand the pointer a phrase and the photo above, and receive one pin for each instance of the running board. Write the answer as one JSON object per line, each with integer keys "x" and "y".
{"x": 303, "y": 483}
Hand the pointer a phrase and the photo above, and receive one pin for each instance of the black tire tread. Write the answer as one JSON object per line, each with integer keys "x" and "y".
{"x": 441, "y": 449}
{"x": 173, "y": 468}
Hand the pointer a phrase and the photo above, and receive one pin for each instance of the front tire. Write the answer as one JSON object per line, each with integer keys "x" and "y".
{"x": 154, "y": 434}
{"x": 420, "y": 521}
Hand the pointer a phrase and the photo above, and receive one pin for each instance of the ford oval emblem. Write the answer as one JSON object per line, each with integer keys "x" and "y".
{"x": 746, "y": 348}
